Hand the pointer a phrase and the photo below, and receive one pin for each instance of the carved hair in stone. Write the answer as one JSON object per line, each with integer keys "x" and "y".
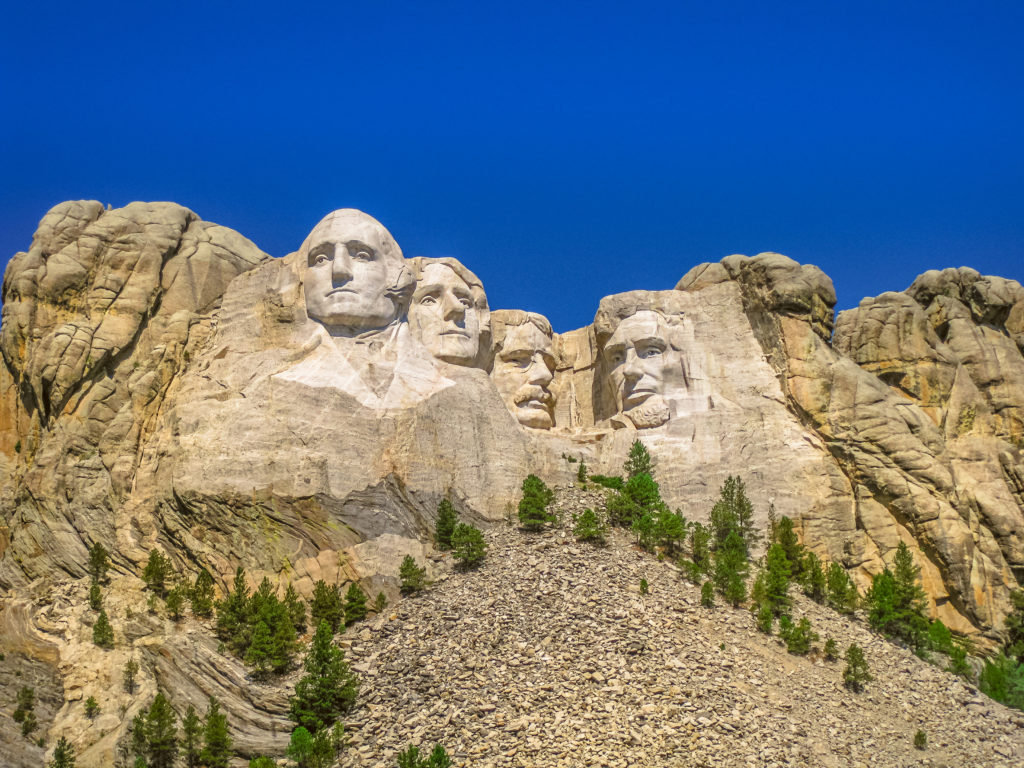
{"x": 355, "y": 280}
{"x": 524, "y": 364}
{"x": 448, "y": 313}
{"x": 643, "y": 348}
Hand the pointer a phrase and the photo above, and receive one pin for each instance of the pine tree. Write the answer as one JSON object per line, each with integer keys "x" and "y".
{"x": 896, "y": 602}
{"x": 640, "y": 496}
{"x": 707, "y": 594}
{"x": 161, "y": 734}
{"x": 355, "y": 604}
{"x": 63, "y": 755}
{"x": 176, "y": 602}
{"x": 327, "y": 605}
{"x": 233, "y": 614}
{"x": 95, "y": 597}
{"x": 99, "y": 562}
{"x": 813, "y": 581}
{"x": 156, "y": 573}
{"x": 296, "y": 610}
{"x": 700, "y": 550}
{"x": 790, "y": 543}
{"x": 191, "y": 738}
{"x": 533, "y": 507}
{"x": 469, "y": 547}
{"x": 639, "y": 462}
{"x": 590, "y": 527}
{"x": 261, "y": 649}
{"x": 26, "y": 703}
{"x": 202, "y": 594}
{"x": 300, "y": 747}
{"x": 1014, "y": 624}
{"x": 731, "y": 568}
{"x": 102, "y": 632}
{"x": 856, "y": 672}
{"x": 216, "y": 751}
{"x": 139, "y": 739}
{"x": 776, "y": 580}
{"x": 581, "y": 474}
{"x": 411, "y": 576}
{"x": 734, "y": 512}
{"x": 328, "y": 689}
{"x": 446, "y": 522}
{"x": 92, "y": 708}
{"x": 842, "y": 594}
{"x": 131, "y": 669}
{"x": 669, "y": 529}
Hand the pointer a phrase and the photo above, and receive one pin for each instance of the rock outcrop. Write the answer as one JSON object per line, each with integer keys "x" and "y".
{"x": 168, "y": 385}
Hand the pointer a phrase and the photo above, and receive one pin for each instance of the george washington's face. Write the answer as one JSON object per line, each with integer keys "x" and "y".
{"x": 444, "y": 317}
{"x": 644, "y": 368}
{"x": 523, "y": 370}
{"x": 350, "y": 267}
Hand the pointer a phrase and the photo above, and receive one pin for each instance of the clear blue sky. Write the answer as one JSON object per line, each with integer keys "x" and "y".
{"x": 563, "y": 151}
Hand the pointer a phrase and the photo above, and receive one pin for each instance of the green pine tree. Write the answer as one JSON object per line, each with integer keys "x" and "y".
{"x": 856, "y": 672}
{"x": 896, "y": 602}
{"x": 176, "y": 602}
{"x": 639, "y": 462}
{"x": 734, "y": 512}
{"x": 233, "y": 615}
{"x": 328, "y": 689}
{"x": 410, "y": 576}
{"x": 469, "y": 547}
{"x": 446, "y": 522}
{"x": 640, "y": 496}
{"x": 355, "y": 604}
{"x": 731, "y": 567}
{"x": 813, "y": 578}
{"x": 216, "y": 751}
{"x": 99, "y": 562}
{"x": 102, "y": 632}
{"x": 92, "y": 708}
{"x": 840, "y": 589}
{"x": 63, "y": 755}
{"x": 776, "y": 580}
{"x": 590, "y": 527}
{"x": 191, "y": 738}
{"x": 131, "y": 669}
{"x": 157, "y": 572}
{"x": 790, "y": 543}
{"x": 260, "y": 652}
{"x": 95, "y": 597}
{"x": 327, "y": 605}
{"x": 296, "y": 610}
{"x": 533, "y": 507}
{"x": 202, "y": 594}
{"x": 161, "y": 731}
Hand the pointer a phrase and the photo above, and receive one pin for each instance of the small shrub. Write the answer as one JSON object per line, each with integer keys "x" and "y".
{"x": 831, "y": 649}
{"x": 638, "y": 462}
{"x": 176, "y": 602}
{"x": 920, "y": 740}
{"x": 202, "y": 594}
{"x": 814, "y": 581}
{"x": 29, "y": 723}
{"x": 157, "y": 572}
{"x": 707, "y": 594}
{"x": 644, "y": 587}
{"x": 102, "y": 632}
{"x": 840, "y": 589}
{"x": 380, "y": 602}
{"x": 856, "y": 672}
{"x": 958, "y": 664}
{"x": 447, "y": 519}
{"x": 327, "y": 605}
{"x": 26, "y": 703}
{"x": 469, "y": 547}
{"x": 798, "y": 637}
{"x": 581, "y": 474}
{"x": 262, "y": 762}
{"x": 411, "y": 576}
{"x": 99, "y": 562}
{"x": 355, "y": 604}
{"x": 614, "y": 482}
{"x": 63, "y": 754}
{"x": 131, "y": 669}
{"x": 92, "y": 708}
{"x": 765, "y": 619}
{"x": 410, "y": 757}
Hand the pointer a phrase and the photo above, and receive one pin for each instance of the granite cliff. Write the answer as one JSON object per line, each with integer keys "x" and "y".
{"x": 168, "y": 385}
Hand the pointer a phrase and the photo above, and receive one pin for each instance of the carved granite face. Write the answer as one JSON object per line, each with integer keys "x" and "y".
{"x": 522, "y": 372}
{"x": 352, "y": 261}
{"x": 645, "y": 370}
{"x": 444, "y": 317}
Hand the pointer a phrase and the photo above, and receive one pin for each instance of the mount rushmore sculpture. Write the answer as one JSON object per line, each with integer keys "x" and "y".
{"x": 166, "y": 382}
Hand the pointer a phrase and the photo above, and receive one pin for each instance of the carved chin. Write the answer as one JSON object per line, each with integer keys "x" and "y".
{"x": 534, "y": 417}
{"x": 653, "y": 412}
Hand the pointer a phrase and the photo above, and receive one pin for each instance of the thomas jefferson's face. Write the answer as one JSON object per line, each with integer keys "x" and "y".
{"x": 643, "y": 368}
{"x": 443, "y": 316}
{"x": 522, "y": 372}
{"x": 348, "y": 274}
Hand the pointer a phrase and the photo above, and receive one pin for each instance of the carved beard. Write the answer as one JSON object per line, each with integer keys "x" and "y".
{"x": 652, "y": 412}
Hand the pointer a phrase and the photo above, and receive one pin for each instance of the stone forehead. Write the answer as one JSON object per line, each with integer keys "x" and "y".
{"x": 669, "y": 306}
{"x": 501, "y": 319}
{"x": 419, "y": 265}
{"x": 356, "y": 225}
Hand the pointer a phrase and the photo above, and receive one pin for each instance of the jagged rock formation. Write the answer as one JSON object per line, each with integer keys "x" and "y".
{"x": 167, "y": 384}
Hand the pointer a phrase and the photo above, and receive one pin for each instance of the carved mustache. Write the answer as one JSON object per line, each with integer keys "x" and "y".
{"x": 533, "y": 393}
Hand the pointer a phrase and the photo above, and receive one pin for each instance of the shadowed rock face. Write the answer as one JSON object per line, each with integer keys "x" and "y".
{"x": 167, "y": 384}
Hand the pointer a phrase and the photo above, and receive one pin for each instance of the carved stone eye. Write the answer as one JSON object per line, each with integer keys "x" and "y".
{"x": 428, "y": 300}
{"x": 321, "y": 259}
{"x": 364, "y": 256}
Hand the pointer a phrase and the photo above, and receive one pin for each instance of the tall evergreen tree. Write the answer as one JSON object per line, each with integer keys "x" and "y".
{"x": 63, "y": 755}
{"x": 639, "y": 461}
{"x": 161, "y": 734}
{"x": 191, "y": 738}
{"x": 733, "y": 511}
{"x": 233, "y": 614}
{"x": 411, "y": 576}
{"x": 639, "y": 497}
{"x": 468, "y": 546}
{"x": 157, "y": 573}
{"x": 355, "y": 604}
{"x": 813, "y": 581}
{"x": 731, "y": 567}
{"x": 790, "y": 543}
{"x": 447, "y": 519}
{"x": 99, "y": 562}
{"x": 327, "y": 605}
{"x": 776, "y": 580}
{"x": 102, "y": 632}
{"x": 328, "y": 689}
{"x": 95, "y": 596}
{"x": 216, "y": 739}
{"x": 841, "y": 591}
{"x": 896, "y": 602}
{"x": 296, "y": 609}
{"x": 202, "y": 594}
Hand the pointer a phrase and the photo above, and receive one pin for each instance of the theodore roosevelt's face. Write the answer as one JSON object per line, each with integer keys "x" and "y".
{"x": 349, "y": 269}
{"x": 444, "y": 317}
{"x": 643, "y": 368}
{"x": 523, "y": 370}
